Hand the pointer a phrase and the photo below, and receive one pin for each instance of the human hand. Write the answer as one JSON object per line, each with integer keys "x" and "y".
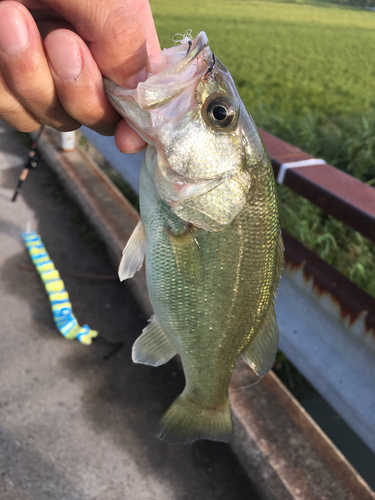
{"x": 53, "y": 55}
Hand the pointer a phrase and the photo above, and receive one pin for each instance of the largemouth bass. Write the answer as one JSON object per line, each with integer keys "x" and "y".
{"x": 210, "y": 231}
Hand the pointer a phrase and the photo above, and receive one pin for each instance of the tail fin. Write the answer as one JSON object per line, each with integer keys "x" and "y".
{"x": 185, "y": 422}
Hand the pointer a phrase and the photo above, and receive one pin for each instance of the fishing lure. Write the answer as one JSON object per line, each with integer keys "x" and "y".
{"x": 63, "y": 316}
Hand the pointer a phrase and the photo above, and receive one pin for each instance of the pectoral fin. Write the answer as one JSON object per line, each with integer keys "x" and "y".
{"x": 260, "y": 353}
{"x": 187, "y": 254}
{"x": 133, "y": 253}
{"x": 153, "y": 347}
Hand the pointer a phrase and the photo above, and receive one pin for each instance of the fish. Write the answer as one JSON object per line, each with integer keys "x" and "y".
{"x": 209, "y": 229}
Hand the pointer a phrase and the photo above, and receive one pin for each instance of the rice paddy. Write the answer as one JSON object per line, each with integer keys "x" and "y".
{"x": 306, "y": 73}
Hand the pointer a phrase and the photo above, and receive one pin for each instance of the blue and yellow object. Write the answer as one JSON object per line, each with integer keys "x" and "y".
{"x": 65, "y": 320}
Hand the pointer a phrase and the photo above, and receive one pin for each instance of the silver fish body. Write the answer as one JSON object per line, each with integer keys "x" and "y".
{"x": 210, "y": 233}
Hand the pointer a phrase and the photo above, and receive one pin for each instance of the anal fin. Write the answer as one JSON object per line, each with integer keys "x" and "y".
{"x": 153, "y": 347}
{"x": 133, "y": 253}
{"x": 260, "y": 353}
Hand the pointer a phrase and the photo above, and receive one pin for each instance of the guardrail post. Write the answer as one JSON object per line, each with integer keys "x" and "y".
{"x": 68, "y": 141}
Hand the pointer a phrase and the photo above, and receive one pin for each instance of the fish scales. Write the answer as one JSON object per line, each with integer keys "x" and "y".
{"x": 211, "y": 235}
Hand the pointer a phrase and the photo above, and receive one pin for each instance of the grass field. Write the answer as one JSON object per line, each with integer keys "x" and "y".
{"x": 306, "y": 73}
{"x": 287, "y": 58}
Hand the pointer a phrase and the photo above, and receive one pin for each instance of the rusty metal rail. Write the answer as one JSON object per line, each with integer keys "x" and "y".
{"x": 284, "y": 452}
{"x": 337, "y": 193}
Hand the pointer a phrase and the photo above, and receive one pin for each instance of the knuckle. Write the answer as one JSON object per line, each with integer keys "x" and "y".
{"x": 125, "y": 31}
{"x": 28, "y": 79}
{"x": 36, "y": 92}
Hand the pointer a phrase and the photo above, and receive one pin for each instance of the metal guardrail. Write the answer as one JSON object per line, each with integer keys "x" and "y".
{"x": 327, "y": 329}
{"x": 327, "y": 323}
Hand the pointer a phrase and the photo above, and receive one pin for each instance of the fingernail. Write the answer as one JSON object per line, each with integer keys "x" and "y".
{"x": 64, "y": 55}
{"x": 14, "y": 33}
{"x": 132, "y": 82}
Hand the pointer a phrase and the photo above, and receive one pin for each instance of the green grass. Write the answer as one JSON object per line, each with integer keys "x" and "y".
{"x": 339, "y": 245}
{"x": 288, "y": 58}
{"x": 306, "y": 72}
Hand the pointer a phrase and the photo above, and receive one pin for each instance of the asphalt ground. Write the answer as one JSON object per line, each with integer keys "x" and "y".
{"x": 77, "y": 422}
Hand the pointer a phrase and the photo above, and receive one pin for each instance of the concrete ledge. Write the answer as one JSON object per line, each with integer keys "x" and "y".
{"x": 103, "y": 204}
{"x": 281, "y": 448}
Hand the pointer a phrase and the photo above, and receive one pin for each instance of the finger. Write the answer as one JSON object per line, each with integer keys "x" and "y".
{"x": 13, "y": 112}
{"x": 119, "y": 38}
{"x": 143, "y": 9}
{"x": 25, "y": 68}
{"x": 115, "y": 34}
{"x": 127, "y": 140}
{"x": 78, "y": 82}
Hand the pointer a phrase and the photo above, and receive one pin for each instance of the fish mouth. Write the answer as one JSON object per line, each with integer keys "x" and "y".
{"x": 195, "y": 47}
{"x": 175, "y": 59}
{"x": 180, "y": 67}
{"x": 173, "y": 70}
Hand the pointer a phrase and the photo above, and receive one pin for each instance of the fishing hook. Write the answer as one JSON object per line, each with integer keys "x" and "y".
{"x": 190, "y": 44}
{"x": 213, "y": 64}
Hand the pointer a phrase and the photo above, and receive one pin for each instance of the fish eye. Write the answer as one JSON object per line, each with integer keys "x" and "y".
{"x": 219, "y": 111}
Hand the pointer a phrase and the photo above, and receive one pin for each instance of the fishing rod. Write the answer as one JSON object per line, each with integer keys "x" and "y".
{"x": 32, "y": 162}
